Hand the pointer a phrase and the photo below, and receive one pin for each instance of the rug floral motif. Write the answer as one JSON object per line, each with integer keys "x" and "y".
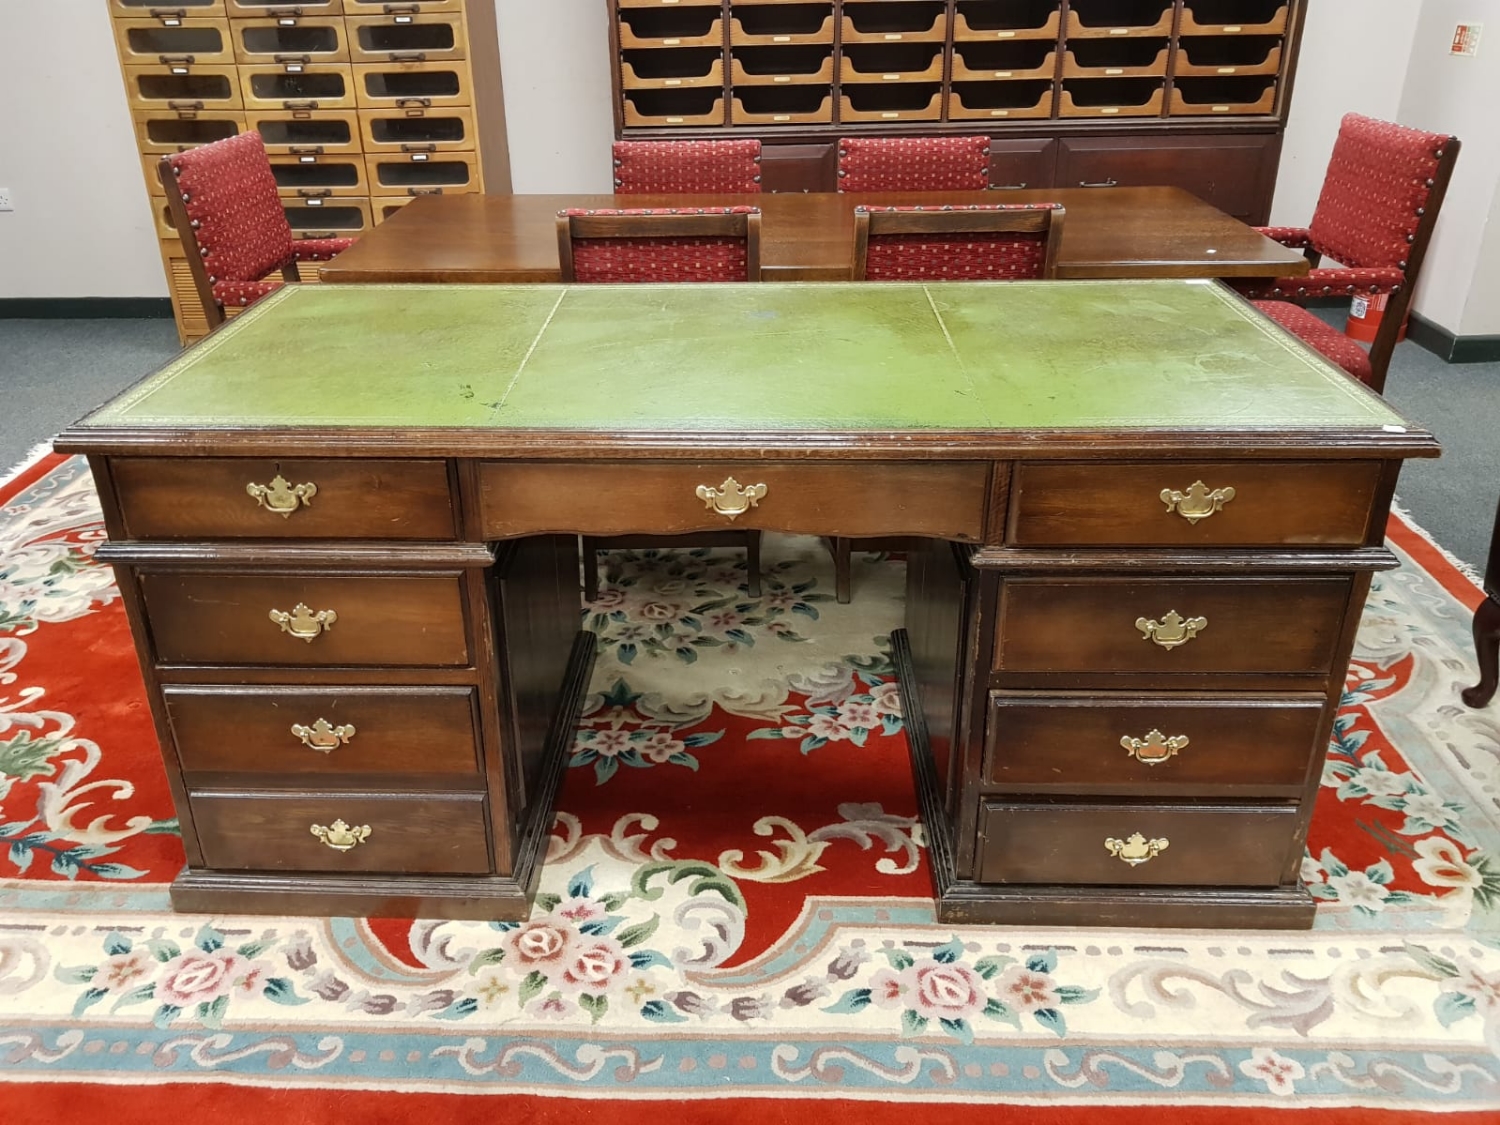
{"x": 735, "y": 899}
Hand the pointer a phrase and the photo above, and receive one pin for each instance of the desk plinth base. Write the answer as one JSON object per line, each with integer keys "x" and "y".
{"x": 484, "y": 898}
{"x": 479, "y": 898}
{"x": 1238, "y": 908}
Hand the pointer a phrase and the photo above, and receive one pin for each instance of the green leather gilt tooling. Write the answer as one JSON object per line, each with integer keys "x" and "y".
{"x": 781, "y": 357}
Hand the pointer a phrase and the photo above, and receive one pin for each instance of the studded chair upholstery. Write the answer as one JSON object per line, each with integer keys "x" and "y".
{"x": 914, "y": 163}
{"x": 662, "y": 245}
{"x": 1375, "y": 215}
{"x": 224, "y": 201}
{"x": 988, "y": 242}
{"x": 659, "y": 244}
{"x": 687, "y": 167}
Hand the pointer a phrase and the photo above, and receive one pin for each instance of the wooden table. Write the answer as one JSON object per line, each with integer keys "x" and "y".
{"x": 1147, "y": 523}
{"x": 1137, "y": 232}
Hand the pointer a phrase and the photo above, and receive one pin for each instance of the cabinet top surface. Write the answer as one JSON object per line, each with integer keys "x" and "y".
{"x": 680, "y": 361}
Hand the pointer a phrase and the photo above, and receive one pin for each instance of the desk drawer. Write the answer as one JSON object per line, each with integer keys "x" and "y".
{"x": 207, "y": 498}
{"x": 227, "y": 619}
{"x": 1195, "y": 845}
{"x": 1186, "y": 503}
{"x": 432, "y": 833}
{"x": 298, "y": 734}
{"x": 1043, "y": 742}
{"x": 945, "y": 500}
{"x": 1170, "y": 625}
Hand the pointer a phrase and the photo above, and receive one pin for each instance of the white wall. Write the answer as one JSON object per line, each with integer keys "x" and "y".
{"x": 1459, "y": 95}
{"x": 82, "y": 226}
{"x": 1353, "y": 58}
{"x": 554, "y": 56}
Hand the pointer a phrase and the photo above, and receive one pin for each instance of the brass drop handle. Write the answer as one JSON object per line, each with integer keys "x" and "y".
{"x": 303, "y": 623}
{"x": 281, "y": 496}
{"x": 1135, "y": 849}
{"x": 323, "y": 736}
{"x": 1154, "y": 748}
{"x": 731, "y": 498}
{"x": 340, "y": 836}
{"x": 1172, "y": 630}
{"x": 1198, "y": 502}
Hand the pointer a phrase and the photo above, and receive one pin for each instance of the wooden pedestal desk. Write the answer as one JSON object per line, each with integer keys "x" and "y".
{"x": 1143, "y": 525}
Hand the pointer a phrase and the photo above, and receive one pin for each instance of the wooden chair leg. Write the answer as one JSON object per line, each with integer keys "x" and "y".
{"x": 1487, "y": 645}
{"x": 590, "y": 570}
{"x": 752, "y": 562}
{"x": 841, "y": 549}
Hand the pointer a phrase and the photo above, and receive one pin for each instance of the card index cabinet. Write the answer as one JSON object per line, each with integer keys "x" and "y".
{"x": 795, "y": 71}
{"x": 363, "y": 106}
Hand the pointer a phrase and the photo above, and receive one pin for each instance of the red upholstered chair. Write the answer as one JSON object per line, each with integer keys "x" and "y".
{"x": 983, "y": 242}
{"x": 914, "y": 164}
{"x": 1375, "y": 215}
{"x": 224, "y": 202}
{"x": 659, "y": 245}
{"x": 988, "y": 242}
{"x": 672, "y": 245}
{"x": 687, "y": 167}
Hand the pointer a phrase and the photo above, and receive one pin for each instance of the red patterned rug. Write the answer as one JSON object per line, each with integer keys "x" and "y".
{"x": 713, "y": 927}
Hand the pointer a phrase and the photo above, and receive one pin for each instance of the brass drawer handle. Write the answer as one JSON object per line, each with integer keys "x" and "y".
{"x": 1197, "y": 503}
{"x": 1153, "y": 749}
{"x": 730, "y": 499}
{"x": 281, "y": 496}
{"x": 340, "y": 836}
{"x": 1135, "y": 849}
{"x": 323, "y": 736}
{"x": 1172, "y": 630}
{"x": 303, "y": 623}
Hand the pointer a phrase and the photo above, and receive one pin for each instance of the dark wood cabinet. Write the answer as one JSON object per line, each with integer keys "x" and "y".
{"x": 1165, "y": 92}
{"x": 1236, "y": 172}
{"x": 799, "y": 167}
{"x": 1027, "y": 162}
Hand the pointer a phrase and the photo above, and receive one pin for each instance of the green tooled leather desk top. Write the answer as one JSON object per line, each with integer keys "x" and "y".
{"x": 780, "y": 358}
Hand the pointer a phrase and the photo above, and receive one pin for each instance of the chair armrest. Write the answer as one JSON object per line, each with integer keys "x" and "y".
{"x": 1327, "y": 283}
{"x": 1298, "y": 238}
{"x": 320, "y": 249}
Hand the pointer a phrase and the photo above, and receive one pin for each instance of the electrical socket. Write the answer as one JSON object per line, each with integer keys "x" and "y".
{"x": 5, "y": 203}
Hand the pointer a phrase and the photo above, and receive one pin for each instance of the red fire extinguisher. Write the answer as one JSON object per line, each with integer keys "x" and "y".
{"x": 1365, "y": 314}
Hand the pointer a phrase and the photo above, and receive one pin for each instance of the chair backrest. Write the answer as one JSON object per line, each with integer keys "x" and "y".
{"x": 233, "y": 214}
{"x": 1376, "y": 192}
{"x": 914, "y": 163}
{"x": 989, "y": 242}
{"x": 687, "y": 167}
{"x": 659, "y": 245}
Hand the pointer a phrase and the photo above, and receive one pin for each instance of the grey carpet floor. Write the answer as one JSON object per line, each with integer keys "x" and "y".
{"x": 54, "y": 371}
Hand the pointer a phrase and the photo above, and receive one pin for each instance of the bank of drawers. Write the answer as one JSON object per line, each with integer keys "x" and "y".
{"x": 346, "y": 740}
{"x": 363, "y": 106}
{"x": 1159, "y": 729}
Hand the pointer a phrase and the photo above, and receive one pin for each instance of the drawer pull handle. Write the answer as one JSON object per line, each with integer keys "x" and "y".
{"x": 303, "y": 623}
{"x": 1197, "y": 503}
{"x": 281, "y": 496}
{"x": 1172, "y": 630}
{"x": 730, "y": 498}
{"x": 1135, "y": 849}
{"x": 340, "y": 836}
{"x": 325, "y": 738}
{"x": 1153, "y": 749}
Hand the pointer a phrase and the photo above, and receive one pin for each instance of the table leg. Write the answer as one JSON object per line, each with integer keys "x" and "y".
{"x": 1487, "y": 645}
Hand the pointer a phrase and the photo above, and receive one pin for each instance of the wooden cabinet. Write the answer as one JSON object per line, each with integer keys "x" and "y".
{"x": 1177, "y": 92}
{"x": 1236, "y": 172}
{"x": 320, "y": 80}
